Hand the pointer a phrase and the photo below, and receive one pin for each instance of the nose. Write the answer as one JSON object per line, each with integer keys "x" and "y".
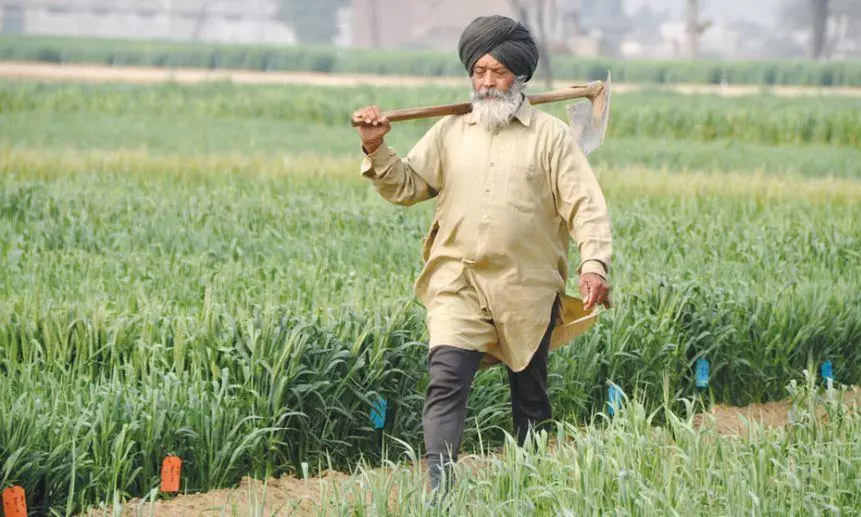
{"x": 487, "y": 81}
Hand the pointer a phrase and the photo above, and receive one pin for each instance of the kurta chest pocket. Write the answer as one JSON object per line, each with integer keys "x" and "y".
{"x": 526, "y": 187}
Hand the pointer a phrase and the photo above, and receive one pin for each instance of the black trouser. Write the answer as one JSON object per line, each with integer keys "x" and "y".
{"x": 451, "y": 373}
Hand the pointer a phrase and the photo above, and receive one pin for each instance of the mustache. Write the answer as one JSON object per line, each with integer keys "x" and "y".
{"x": 484, "y": 93}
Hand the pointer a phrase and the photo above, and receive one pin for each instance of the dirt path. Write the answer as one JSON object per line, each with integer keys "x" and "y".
{"x": 736, "y": 421}
{"x": 297, "y": 497}
{"x": 284, "y": 496}
{"x": 142, "y": 75}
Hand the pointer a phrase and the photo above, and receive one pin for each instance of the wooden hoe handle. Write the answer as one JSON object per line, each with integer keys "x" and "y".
{"x": 587, "y": 91}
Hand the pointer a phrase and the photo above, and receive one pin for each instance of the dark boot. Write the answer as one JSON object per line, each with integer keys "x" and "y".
{"x": 441, "y": 476}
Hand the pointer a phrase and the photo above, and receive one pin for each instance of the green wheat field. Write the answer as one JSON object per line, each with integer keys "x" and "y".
{"x": 202, "y": 271}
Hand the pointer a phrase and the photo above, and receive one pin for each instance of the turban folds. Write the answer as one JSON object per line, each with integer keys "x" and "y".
{"x": 507, "y": 40}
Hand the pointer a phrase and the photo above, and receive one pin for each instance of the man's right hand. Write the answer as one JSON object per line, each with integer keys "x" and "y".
{"x": 373, "y": 127}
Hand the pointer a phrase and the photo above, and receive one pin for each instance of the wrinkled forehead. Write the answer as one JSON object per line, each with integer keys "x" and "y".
{"x": 488, "y": 62}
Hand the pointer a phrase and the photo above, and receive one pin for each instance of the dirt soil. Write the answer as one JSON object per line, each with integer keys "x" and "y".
{"x": 736, "y": 421}
{"x": 283, "y": 496}
{"x": 98, "y": 74}
{"x": 296, "y": 497}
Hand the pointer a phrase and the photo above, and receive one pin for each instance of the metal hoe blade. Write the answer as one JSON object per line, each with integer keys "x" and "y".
{"x": 588, "y": 119}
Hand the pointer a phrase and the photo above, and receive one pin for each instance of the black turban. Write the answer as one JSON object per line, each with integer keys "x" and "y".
{"x": 505, "y": 39}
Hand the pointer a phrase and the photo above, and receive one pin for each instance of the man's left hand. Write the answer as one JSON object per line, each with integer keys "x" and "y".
{"x": 594, "y": 290}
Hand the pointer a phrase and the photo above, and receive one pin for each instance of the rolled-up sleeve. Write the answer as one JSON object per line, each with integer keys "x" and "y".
{"x": 409, "y": 180}
{"x": 582, "y": 206}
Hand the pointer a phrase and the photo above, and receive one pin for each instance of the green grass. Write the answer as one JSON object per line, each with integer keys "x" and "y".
{"x": 167, "y": 135}
{"x": 218, "y": 283}
{"x": 671, "y": 131}
{"x": 624, "y": 465}
{"x": 147, "y": 300}
{"x": 629, "y": 466}
{"x": 758, "y": 119}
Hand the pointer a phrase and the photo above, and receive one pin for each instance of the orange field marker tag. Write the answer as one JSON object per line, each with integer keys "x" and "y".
{"x": 170, "y": 472}
{"x": 14, "y": 502}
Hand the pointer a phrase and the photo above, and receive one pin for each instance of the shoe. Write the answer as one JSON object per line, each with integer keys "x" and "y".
{"x": 441, "y": 476}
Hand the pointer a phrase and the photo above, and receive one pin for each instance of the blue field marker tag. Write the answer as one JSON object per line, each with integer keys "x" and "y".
{"x": 614, "y": 399}
{"x": 827, "y": 370}
{"x": 827, "y": 373}
{"x": 702, "y": 373}
{"x": 378, "y": 412}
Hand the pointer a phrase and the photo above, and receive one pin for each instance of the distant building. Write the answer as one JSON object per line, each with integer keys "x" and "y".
{"x": 419, "y": 24}
{"x": 605, "y": 22}
{"x": 580, "y": 27}
{"x": 624, "y": 28}
{"x": 251, "y": 21}
{"x": 437, "y": 24}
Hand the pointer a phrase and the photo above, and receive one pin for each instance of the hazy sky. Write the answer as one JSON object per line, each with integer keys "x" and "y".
{"x": 715, "y": 10}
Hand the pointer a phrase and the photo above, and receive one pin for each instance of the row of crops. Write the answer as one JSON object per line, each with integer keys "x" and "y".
{"x": 245, "y": 320}
{"x": 767, "y": 120}
{"x": 242, "y": 306}
{"x": 342, "y": 60}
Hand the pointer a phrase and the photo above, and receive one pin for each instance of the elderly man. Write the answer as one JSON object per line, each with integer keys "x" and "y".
{"x": 511, "y": 185}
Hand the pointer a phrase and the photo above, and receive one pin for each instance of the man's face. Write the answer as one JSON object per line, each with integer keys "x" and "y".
{"x": 496, "y": 93}
{"x": 490, "y": 73}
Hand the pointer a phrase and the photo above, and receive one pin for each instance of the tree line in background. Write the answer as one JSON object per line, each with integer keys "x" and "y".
{"x": 828, "y": 22}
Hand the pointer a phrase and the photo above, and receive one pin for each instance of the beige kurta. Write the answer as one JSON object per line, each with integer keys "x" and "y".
{"x": 496, "y": 252}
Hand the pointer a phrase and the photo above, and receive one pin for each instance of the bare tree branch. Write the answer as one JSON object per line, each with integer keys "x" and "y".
{"x": 200, "y": 20}
{"x": 820, "y": 28}
{"x": 695, "y": 28}
{"x": 829, "y": 23}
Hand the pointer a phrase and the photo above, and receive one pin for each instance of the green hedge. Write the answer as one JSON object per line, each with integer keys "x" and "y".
{"x": 329, "y": 59}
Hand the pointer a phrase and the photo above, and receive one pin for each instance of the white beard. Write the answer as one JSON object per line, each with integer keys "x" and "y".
{"x": 493, "y": 108}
